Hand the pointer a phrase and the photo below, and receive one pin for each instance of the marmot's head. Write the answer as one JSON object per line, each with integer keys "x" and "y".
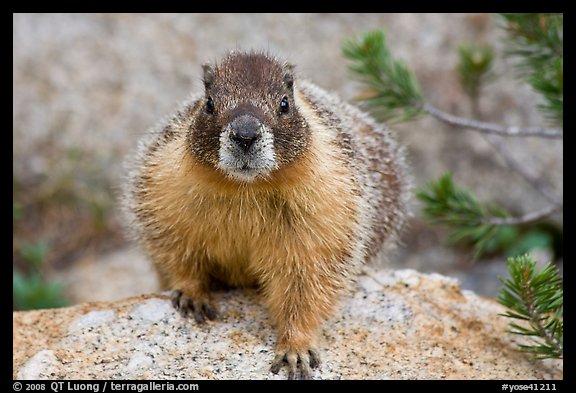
{"x": 248, "y": 125}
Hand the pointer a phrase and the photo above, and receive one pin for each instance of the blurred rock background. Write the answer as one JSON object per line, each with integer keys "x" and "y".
{"x": 86, "y": 87}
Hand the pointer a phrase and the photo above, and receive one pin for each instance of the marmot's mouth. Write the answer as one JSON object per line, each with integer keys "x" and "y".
{"x": 246, "y": 174}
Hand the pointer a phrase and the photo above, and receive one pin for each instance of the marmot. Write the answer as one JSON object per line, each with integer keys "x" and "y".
{"x": 265, "y": 179}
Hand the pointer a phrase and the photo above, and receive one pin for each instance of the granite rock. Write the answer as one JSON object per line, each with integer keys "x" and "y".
{"x": 397, "y": 325}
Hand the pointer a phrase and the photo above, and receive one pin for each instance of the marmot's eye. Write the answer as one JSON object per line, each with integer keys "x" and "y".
{"x": 284, "y": 107}
{"x": 209, "y": 105}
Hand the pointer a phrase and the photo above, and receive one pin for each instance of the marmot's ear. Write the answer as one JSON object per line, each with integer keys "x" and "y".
{"x": 208, "y": 75}
{"x": 289, "y": 75}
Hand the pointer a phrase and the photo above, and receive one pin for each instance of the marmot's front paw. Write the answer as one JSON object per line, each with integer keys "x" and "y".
{"x": 307, "y": 359}
{"x": 199, "y": 307}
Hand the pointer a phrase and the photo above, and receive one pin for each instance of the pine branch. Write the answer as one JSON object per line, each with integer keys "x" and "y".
{"x": 536, "y": 40}
{"x": 445, "y": 204}
{"x": 535, "y": 37}
{"x": 392, "y": 88}
{"x": 474, "y": 69}
{"x": 535, "y": 181}
{"x": 535, "y": 297}
{"x": 491, "y": 128}
{"x": 526, "y": 218}
{"x": 481, "y": 224}
{"x": 393, "y": 93}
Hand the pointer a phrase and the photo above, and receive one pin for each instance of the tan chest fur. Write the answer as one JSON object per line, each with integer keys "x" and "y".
{"x": 305, "y": 214}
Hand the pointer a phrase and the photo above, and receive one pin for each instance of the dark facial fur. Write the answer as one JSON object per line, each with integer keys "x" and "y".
{"x": 247, "y": 124}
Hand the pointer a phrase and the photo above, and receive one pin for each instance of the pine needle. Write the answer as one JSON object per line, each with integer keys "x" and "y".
{"x": 536, "y": 298}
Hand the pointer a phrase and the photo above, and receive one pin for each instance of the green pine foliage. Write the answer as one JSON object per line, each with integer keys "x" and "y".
{"x": 392, "y": 92}
{"x": 472, "y": 223}
{"x": 474, "y": 67}
{"x": 458, "y": 209}
{"x": 537, "y": 41}
{"x": 536, "y": 299}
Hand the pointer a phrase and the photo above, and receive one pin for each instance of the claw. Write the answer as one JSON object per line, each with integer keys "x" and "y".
{"x": 210, "y": 313}
{"x": 314, "y": 358}
{"x": 176, "y": 295}
{"x": 277, "y": 364}
{"x": 200, "y": 309}
{"x": 197, "y": 312}
{"x": 300, "y": 364}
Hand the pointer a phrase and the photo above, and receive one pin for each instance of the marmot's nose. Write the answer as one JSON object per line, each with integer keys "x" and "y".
{"x": 244, "y": 139}
{"x": 245, "y": 131}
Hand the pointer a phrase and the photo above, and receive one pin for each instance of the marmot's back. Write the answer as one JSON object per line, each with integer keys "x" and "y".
{"x": 270, "y": 180}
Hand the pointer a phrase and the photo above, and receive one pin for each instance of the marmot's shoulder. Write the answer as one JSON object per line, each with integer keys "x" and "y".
{"x": 360, "y": 135}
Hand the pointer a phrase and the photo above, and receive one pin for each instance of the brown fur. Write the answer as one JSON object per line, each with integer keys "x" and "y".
{"x": 299, "y": 234}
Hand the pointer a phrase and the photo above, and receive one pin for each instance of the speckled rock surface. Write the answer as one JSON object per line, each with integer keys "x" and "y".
{"x": 397, "y": 325}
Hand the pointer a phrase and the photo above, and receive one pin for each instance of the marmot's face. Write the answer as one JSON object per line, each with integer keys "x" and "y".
{"x": 248, "y": 125}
